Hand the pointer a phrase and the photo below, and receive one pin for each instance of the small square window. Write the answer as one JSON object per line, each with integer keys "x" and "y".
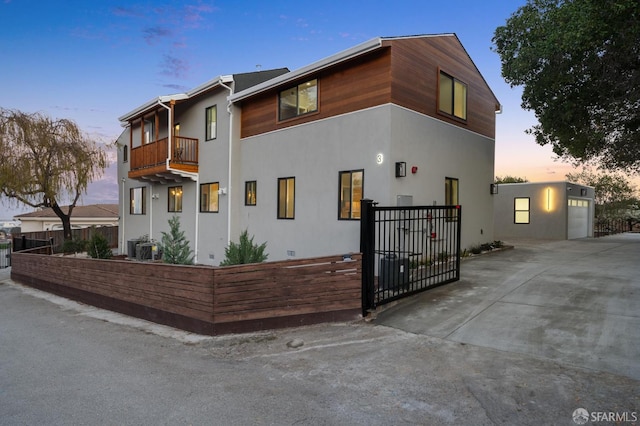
{"x": 298, "y": 100}
{"x": 452, "y": 96}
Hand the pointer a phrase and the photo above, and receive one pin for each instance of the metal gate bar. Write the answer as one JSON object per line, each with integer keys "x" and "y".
{"x": 407, "y": 250}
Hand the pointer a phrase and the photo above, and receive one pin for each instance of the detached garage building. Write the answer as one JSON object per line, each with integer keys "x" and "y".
{"x": 543, "y": 210}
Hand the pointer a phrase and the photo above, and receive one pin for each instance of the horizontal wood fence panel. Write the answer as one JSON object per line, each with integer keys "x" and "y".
{"x": 210, "y": 300}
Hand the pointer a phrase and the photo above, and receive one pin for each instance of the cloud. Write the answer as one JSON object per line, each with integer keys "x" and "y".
{"x": 127, "y": 12}
{"x": 177, "y": 87}
{"x": 151, "y": 34}
{"x": 193, "y": 14}
{"x": 173, "y": 66}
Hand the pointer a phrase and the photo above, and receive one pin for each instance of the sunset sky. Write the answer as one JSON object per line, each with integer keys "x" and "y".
{"x": 93, "y": 61}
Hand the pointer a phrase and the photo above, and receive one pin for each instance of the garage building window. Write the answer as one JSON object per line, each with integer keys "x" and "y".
{"x": 521, "y": 210}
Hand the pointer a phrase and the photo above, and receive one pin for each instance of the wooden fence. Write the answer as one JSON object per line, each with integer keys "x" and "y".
{"x": 109, "y": 232}
{"x": 203, "y": 299}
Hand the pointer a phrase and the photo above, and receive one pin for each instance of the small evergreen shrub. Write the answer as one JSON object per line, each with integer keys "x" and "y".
{"x": 74, "y": 246}
{"x": 244, "y": 252}
{"x": 174, "y": 245}
{"x": 98, "y": 247}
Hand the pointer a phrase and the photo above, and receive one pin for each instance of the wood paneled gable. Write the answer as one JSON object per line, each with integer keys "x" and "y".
{"x": 403, "y": 71}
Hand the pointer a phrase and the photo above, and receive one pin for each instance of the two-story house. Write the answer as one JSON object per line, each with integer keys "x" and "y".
{"x": 290, "y": 157}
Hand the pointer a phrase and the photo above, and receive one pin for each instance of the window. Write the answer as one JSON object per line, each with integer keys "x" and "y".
{"x": 286, "y": 197}
{"x": 211, "y": 122}
{"x": 209, "y": 197}
{"x": 138, "y": 197}
{"x": 175, "y": 198}
{"x": 125, "y": 153}
{"x": 521, "y": 210}
{"x": 350, "y": 194}
{"x": 250, "y": 193}
{"x": 452, "y": 96}
{"x": 451, "y": 196}
{"x": 149, "y": 133}
{"x": 299, "y": 100}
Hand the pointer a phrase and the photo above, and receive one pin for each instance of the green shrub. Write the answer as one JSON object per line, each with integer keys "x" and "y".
{"x": 174, "y": 245}
{"x": 98, "y": 247}
{"x": 244, "y": 252}
{"x": 74, "y": 246}
{"x": 476, "y": 249}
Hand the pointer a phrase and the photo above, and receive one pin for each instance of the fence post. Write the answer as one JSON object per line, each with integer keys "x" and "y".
{"x": 367, "y": 248}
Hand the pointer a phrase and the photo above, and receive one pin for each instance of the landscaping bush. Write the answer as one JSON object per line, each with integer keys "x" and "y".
{"x": 174, "y": 245}
{"x": 98, "y": 247}
{"x": 244, "y": 252}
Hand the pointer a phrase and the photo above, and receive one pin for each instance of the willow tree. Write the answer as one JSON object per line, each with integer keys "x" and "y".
{"x": 45, "y": 162}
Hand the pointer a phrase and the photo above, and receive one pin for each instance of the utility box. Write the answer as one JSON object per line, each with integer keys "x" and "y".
{"x": 394, "y": 273}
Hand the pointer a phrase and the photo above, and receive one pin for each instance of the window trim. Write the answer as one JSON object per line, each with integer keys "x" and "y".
{"x": 207, "y": 128}
{"x": 209, "y": 201}
{"x": 453, "y": 79}
{"x": 143, "y": 197}
{"x": 516, "y": 210}
{"x": 174, "y": 197}
{"x": 249, "y": 201}
{"x": 296, "y": 88}
{"x": 350, "y": 201}
{"x": 293, "y": 209}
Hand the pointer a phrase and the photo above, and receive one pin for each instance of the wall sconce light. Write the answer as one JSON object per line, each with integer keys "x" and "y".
{"x": 155, "y": 196}
{"x": 401, "y": 169}
{"x": 548, "y": 199}
{"x": 493, "y": 188}
{"x": 583, "y": 192}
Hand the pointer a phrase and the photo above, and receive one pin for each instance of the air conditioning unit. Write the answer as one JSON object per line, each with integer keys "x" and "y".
{"x": 144, "y": 251}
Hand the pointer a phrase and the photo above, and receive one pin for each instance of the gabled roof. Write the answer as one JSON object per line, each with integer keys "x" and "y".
{"x": 91, "y": 211}
{"x": 241, "y": 81}
{"x": 345, "y": 55}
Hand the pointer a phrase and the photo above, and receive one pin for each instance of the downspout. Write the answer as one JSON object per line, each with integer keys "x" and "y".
{"x": 197, "y": 175}
{"x": 123, "y": 220}
{"x": 229, "y": 177}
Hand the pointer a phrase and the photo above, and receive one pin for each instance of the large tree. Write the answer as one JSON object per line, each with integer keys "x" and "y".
{"x": 579, "y": 64}
{"x": 45, "y": 162}
{"x": 615, "y": 196}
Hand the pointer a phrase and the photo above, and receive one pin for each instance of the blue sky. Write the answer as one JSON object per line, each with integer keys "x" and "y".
{"x": 93, "y": 61}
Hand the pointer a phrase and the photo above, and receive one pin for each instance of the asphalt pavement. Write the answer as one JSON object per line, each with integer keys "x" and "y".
{"x": 528, "y": 336}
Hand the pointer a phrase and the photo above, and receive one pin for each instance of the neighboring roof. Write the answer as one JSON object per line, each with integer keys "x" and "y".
{"x": 353, "y": 52}
{"x": 242, "y": 82}
{"x": 91, "y": 211}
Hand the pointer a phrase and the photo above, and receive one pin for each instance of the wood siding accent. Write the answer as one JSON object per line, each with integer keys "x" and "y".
{"x": 352, "y": 86}
{"x": 204, "y": 299}
{"x": 416, "y": 64}
{"x": 404, "y": 72}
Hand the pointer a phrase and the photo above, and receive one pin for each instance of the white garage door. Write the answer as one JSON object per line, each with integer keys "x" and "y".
{"x": 578, "y": 219}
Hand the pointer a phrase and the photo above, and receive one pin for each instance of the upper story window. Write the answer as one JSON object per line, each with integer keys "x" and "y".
{"x": 138, "y": 200}
{"x": 298, "y": 100}
{"x": 175, "y": 198}
{"x": 125, "y": 153}
{"x": 211, "y": 119}
{"x": 149, "y": 131}
{"x": 452, "y": 96}
{"x": 350, "y": 194}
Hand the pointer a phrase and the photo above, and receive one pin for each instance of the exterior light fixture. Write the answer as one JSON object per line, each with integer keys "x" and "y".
{"x": 401, "y": 169}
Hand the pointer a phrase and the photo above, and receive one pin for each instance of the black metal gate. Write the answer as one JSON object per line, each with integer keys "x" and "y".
{"x": 406, "y": 250}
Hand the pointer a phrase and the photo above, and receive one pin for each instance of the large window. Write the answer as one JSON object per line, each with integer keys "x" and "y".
{"x": 211, "y": 123}
{"x": 521, "y": 210}
{"x": 299, "y": 100}
{"x": 286, "y": 197}
{"x": 138, "y": 200}
{"x": 209, "y": 197}
{"x": 350, "y": 194}
{"x": 250, "y": 193}
{"x": 451, "y": 191}
{"x": 452, "y": 96}
{"x": 175, "y": 198}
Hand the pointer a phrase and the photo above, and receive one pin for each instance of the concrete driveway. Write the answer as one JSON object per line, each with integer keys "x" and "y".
{"x": 527, "y": 337}
{"x": 575, "y": 302}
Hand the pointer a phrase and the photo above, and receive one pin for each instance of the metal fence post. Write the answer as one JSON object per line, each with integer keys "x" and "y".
{"x": 367, "y": 248}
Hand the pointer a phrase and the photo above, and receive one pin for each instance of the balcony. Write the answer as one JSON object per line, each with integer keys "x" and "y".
{"x": 149, "y": 161}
